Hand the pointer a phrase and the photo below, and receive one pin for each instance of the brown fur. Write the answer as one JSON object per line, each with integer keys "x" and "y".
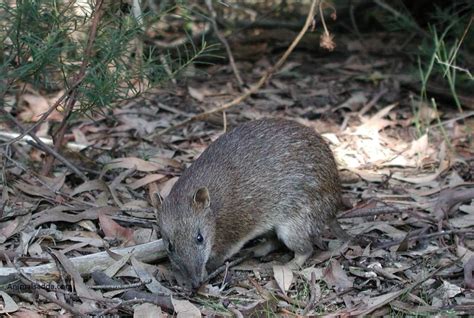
{"x": 265, "y": 175}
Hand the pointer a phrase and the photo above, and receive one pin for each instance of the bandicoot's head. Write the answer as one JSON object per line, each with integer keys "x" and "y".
{"x": 187, "y": 230}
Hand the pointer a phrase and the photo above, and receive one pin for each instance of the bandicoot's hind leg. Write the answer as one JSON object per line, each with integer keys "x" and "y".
{"x": 298, "y": 261}
{"x": 271, "y": 244}
{"x": 297, "y": 240}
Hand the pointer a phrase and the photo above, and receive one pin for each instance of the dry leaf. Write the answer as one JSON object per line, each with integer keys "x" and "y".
{"x": 8, "y": 228}
{"x": 113, "y": 230}
{"x": 26, "y": 313}
{"x": 196, "y": 94}
{"x": 378, "y": 301}
{"x": 185, "y": 309}
{"x": 307, "y": 272}
{"x": 357, "y": 100}
{"x": 165, "y": 187}
{"x": 37, "y": 191}
{"x": 383, "y": 227}
{"x": 8, "y": 304}
{"x": 88, "y": 296}
{"x": 336, "y": 277}
{"x": 146, "y": 180}
{"x": 54, "y": 184}
{"x": 283, "y": 276}
{"x": 443, "y": 165}
{"x": 368, "y": 175}
{"x": 58, "y": 214}
{"x": 468, "y": 270}
{"x": 375, "y": 123}
{"x": 90, "y": 186}
{"x": 147, "y": 310}
{"x": 450, "y": 290}
{"x": 419, "y": 146}
{"x": 80, "y": 137}
{"x": 36, "y": 106}
{"x": 427, "y": 113}
{"x": 466, "y": 220}
{"x": 153, "y": 286}
{"x": 133, "y": 163}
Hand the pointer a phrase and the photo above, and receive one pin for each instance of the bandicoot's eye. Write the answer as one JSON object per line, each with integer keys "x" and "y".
{"x": 170, "y": 247}
{"x": 199, "y": 238}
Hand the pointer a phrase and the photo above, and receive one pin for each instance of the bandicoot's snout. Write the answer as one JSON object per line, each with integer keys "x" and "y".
{"x": 194, "y": 277}
{"x": 196, "y": 283}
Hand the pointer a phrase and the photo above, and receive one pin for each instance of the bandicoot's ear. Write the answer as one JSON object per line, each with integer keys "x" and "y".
{"x": 201, "y": 198}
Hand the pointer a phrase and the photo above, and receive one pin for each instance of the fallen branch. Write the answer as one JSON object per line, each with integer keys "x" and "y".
{"x": 259, "y": 84}
{"x": 148, "y": 252}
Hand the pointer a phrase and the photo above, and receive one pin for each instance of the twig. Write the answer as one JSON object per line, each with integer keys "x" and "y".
{"x": 223, "y": 40}
{"x": 326, "y": 31}
{"x": 373, "y": 212}
{"x": 58, "y": 136}
{"x": 448, "y": 198}
{"x": 455, "y": 53}
{"x": 326, "y": 38}
{"x": 260, "y": 83}
{"x": 162, "y": 301}
{"x": 4, "y": 194}
{"x": 353, "y": 21}
{"x": 124, "y": 286}
{"x": 332, "y": 297}
{"x": 45, "y": 147}
{"x": 292, "y": 301}
{"x": 227, "y": 265}
{"x": 406, "y": 290}
{"x": 398, "y": 15}
{"x": 225, "y": 276}
{"x": 373, "y": 101}
{"x": 424, "y": 236}
{"x": 314, "y": 295}
{"x": 28, "y": 281}
{"x": 136, "y": 297}
{"x": 122, "y": 303}
{"x": 6, "y": 135}
{"x": 179, "y": 41}
{"x": 363, "y": 212}
{"x": 115, "y": 183}
{"x": 167, "y": 68}
{"x": 60, "y": 303}
{"x": 47, "y": 113}
{"x": 452, "y": 120}
{"x": 172, "y": 109}
{"x": 235, "y": 312}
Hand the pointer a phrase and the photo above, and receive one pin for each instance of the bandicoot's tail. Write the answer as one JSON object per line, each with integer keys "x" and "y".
{"x": 338, "y": 230}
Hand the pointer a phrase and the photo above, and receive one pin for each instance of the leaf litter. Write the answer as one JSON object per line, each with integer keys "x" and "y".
{"x": 412, "y": 195}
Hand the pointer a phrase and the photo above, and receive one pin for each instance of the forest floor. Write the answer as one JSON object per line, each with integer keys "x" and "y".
{"x": 407, "y": 170}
